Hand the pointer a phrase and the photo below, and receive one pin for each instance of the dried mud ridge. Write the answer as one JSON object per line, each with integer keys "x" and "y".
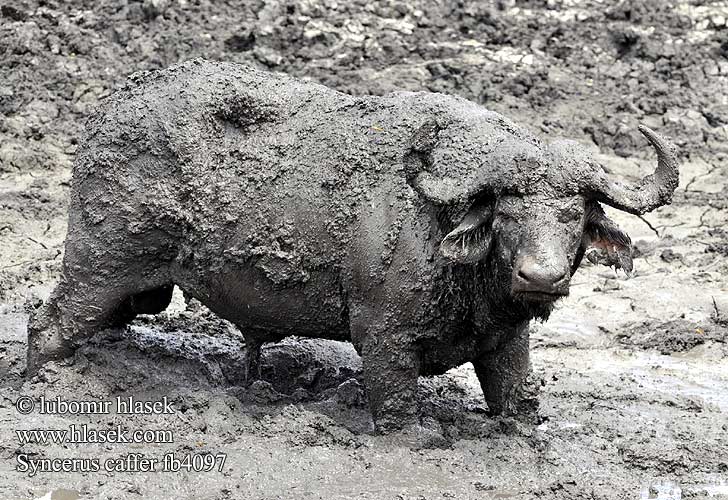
{"x": 631, "y": 374}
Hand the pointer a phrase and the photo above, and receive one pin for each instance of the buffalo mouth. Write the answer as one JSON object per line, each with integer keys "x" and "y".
{"x": 540, "y": 297}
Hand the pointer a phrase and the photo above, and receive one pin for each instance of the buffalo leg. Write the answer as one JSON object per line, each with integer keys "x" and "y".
{"x": 391, "y": 366}
{"x": 501, "y": 373}
{"x": 96, "y": 290}
{"x": 252, "y": 360}
{"x": 74, "y": 311}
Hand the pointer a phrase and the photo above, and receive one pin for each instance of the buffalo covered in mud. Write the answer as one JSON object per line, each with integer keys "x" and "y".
{"x": 421, "y": 227}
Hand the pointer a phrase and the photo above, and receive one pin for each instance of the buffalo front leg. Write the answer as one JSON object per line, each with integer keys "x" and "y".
{"x": 252, "y": 360}
{"x": 502, "y": 372}
{"x": 391, "y": 366}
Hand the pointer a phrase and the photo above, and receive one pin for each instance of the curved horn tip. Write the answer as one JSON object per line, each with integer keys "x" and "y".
{"x": 650, "y": 134}
{"x": 652, "y": 191}
{"x": 645, "y": 129}
{"x": 667, "y": 172}
{"x": 656, "y": 139}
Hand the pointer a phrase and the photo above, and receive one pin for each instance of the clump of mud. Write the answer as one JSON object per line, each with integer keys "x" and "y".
{"x": 672, "y": 336}
{"x": 206, "y": 351}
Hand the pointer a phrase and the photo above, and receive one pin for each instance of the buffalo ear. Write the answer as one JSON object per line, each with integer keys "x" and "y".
{"x": 470, "y": 241}
{"x": 613, "y": 247}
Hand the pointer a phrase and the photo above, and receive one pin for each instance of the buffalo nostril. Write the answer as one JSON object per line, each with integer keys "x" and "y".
{"x": 538, "y": 276}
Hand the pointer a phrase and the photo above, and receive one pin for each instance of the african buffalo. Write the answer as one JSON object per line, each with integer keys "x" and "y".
{"x": 421, "y": 227}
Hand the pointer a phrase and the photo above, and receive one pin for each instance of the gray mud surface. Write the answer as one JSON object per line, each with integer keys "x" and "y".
{"x": 631, "y": 375}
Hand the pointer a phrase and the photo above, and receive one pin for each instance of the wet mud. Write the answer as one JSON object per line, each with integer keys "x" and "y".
{"x": 627, "y": 398}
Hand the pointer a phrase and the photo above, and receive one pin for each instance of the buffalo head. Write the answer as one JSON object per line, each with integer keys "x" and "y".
{"x": 527, "y": 210}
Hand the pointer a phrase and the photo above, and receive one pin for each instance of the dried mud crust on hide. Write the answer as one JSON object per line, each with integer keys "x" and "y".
{"x": 617, "y": 418}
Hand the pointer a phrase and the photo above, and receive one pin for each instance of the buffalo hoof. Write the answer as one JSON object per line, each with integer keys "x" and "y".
{"x": 419, "y": 437}
{"x": 46, "y": 341}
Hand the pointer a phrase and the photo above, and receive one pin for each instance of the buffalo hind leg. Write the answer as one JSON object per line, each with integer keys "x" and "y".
{"x": 501, "y": 373}
{"x": 81, "y": 305}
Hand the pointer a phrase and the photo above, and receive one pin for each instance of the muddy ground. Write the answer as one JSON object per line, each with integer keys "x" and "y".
{"x": 631, "y": 374}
